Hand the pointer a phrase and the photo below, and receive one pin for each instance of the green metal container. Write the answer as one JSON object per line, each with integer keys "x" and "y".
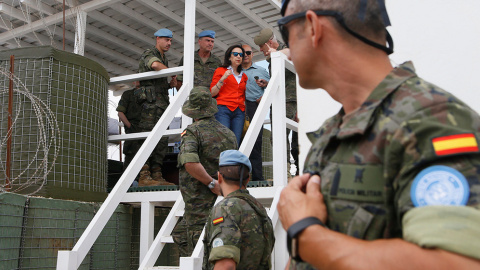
{"x": 71, "y": 91}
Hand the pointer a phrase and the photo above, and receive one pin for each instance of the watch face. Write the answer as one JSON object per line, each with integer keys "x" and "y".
{"x": 211, "y": 185}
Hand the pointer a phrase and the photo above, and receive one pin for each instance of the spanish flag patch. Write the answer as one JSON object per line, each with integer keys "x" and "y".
{"x": 217, "y": 220}
{"x": 183, "y": 133}
{"x": 455, "y": 144}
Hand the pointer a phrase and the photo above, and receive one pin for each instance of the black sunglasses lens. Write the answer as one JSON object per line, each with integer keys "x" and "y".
{"x": 284, "y": 32}
{"x": 248, "y": 52}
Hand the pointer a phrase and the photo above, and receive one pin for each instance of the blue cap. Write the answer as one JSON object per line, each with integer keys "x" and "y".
{"x": 164, "y": 32}
{"x": 207, "y": 33}
{"x": 234, "y": 157}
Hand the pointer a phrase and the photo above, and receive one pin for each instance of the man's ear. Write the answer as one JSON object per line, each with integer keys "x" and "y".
{"x": 245, "y": 182}
{"x": 314, "y": 28}
{"x": 220, "y": 177}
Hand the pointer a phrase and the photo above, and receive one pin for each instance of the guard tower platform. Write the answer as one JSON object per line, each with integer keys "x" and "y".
{"x": 236, "y": 22}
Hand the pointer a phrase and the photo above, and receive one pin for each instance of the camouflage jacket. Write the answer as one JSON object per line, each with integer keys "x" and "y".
{"x": 239, "y": 228}
{"x": 290, "y": 79}
{"x": 159, "y": 85}
{"x": 202, "y": 141}
{"x": 369, "y": 158}
{"x": 203, "y": 72}
{"x": 132, "y": 110}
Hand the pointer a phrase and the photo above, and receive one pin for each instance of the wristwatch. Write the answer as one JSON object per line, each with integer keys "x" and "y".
{"x": 295, "y": 230}
{"x": 211, "y": 184}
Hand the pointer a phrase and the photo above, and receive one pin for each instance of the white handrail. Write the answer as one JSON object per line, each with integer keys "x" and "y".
{"x": 84, "y": 244}
{"x": 274, "y": 94}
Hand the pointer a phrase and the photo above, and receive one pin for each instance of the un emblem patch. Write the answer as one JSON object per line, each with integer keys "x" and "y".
{"x": 439, "y": 185}
{"x": 217, "y": 242}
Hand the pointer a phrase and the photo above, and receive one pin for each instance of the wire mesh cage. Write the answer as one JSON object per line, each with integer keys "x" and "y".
{"x": 56, "y": 139}
{"x": 34, "y": 229}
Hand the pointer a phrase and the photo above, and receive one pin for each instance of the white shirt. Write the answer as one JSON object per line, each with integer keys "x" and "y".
{"x": 237, "y": 77}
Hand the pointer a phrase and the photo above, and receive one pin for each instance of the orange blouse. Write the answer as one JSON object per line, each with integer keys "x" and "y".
{"x": 232, "y": 94}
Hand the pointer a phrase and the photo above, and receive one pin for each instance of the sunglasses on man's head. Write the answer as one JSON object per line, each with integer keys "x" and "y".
{"x": 248, "y": 52}
{"x": 237, "y": 54}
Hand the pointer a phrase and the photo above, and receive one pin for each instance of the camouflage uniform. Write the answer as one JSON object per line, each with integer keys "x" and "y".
{"x": 244, "y": 230}
{"x": 202, "y": 141}
{"x": 153, "y": 97}
{"x": 203, "y": 72}
{"x": 290, "y": 100}
{"x": 129, "y": 106}
{"x": 367, "y": 160}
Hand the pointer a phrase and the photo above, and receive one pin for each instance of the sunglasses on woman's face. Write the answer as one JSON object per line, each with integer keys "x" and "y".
{"x": 237, "y": 54}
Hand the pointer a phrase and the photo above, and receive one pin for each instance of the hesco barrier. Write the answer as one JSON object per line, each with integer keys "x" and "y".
{"x": 73, "y": 90}
{"x": 11, "y": 227}
{"x": 34, "y": 229}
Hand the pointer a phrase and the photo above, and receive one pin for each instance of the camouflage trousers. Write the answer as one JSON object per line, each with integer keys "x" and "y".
{"x": 197, "y": 209}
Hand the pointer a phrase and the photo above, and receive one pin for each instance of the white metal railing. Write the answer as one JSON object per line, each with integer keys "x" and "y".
{"x": 72, "y": 259}
{"x": 275, "y": 92}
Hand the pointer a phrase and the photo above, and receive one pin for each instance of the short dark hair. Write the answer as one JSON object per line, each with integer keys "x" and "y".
{"x": 370, "y": 24}
{"x": 231, "y": 174}
{"x": 227, "y": 62}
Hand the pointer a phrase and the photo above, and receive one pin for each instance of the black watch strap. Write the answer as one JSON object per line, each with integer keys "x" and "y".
{"x": 294, "y": 230}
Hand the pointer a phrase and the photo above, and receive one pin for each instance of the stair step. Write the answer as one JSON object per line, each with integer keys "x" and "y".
{"x": 166, "y": 239}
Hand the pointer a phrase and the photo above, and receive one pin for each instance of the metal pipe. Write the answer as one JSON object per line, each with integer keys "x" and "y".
{"x": 64, "y": 25}
{"x": 9, "y": 129}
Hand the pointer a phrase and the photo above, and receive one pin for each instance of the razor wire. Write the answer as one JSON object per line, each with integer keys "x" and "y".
{"x": 48, "y": 139}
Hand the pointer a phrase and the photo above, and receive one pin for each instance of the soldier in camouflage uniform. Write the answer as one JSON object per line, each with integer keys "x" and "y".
{"x": 268, "y": 43}
{"x": 202, "y": 142}
{"x": 129, "y": 113}
{"x": 205, "y": 62}
{"x": 239, "y": 234}
{"x": 394, "y": 177}
{"x": 153, "y": 97}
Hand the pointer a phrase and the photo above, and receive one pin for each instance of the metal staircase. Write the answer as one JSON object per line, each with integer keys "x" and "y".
{"x": 150, "y": 246}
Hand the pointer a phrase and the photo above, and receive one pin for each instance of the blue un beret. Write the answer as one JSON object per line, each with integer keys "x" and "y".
{"x": 164, "y": 32}
{"x": 234, "y": 157}
{"x": 207, "y": 33}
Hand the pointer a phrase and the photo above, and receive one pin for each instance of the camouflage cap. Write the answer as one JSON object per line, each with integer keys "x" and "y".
{"x": 200, "y": 103}
{"x": 263, "y": 37}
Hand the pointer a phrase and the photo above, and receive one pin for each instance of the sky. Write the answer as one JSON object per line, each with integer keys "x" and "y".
{"x": 439, "y": 36}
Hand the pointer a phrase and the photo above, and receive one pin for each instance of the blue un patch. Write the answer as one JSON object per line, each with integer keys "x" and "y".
{"x": 439, "y": 185}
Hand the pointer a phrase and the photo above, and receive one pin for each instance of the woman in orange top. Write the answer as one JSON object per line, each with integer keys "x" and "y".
{"x": 228, "y": 87}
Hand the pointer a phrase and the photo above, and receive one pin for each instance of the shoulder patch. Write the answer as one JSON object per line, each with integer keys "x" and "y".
{"x": 183, "y": 133}
{"x": 217, "y": 220}
{"x": 217, "y": 242}
{"x": 455, "y": 144}
{"x": 439, "y": 185}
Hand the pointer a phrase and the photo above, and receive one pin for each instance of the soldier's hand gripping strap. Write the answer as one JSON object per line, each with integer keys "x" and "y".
{"x": 451, "y": 228}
